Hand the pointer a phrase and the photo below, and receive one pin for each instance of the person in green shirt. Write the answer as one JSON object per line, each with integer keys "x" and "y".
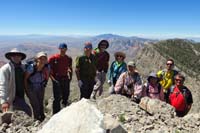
{"x": 86, "y": 71}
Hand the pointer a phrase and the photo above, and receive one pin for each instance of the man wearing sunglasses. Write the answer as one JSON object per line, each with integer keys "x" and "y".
{"x": 180, "y": 97}
{"x": 86, "y": 71}
{"x": 166, "y": 76}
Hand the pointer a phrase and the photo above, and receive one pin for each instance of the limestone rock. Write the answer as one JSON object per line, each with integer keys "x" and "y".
{"x": 80, "y": 117}
{"x": 112, "y": 126}
{"x": 6, "y": 117}
{"x": 155, "y": 106}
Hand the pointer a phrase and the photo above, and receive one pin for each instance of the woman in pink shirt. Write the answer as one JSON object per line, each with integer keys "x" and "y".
{"x": 152, "y": 88}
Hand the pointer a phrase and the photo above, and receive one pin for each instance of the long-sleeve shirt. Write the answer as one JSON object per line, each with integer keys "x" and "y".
{"x": 102, "y": 61}
{"x": 153, "y": 92}
{"x": 130, "y": 84}
{"x": 7, "y": 83}
{"x": 116, "y": 69}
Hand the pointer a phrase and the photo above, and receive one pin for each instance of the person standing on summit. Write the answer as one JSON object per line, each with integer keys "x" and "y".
{"x": 86, "y": 71}
{"x": 12, "y": 89}
{"x": 102, "y": 67}
{"x": 61, "y": 75}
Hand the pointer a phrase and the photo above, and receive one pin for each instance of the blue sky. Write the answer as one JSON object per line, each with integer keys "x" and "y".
{"x": 159, "y": 18}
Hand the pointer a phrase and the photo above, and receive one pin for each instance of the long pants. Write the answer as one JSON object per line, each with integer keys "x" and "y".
{"x": 87, "y": 88}
{"x": 36, "y": 97}
{"x": 98, "y": 87}
{"x": 112, "y": 87}
{"x": 61, "y": 91}
{"x": 20, "y": 104}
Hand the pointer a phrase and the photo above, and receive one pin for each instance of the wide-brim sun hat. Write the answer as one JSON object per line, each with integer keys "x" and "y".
{"x": 41, "y": 54}
{"x": 120, "y": 53}
{"x": 15, "y": 51}
{"x": 152, "y": 75}
{"x": 103, "y": 41}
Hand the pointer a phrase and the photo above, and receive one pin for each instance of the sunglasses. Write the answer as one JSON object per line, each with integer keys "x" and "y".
{"x": 169, "y": 64}
{"x": 119, "y": 56}
{"x": 180, "y": 80}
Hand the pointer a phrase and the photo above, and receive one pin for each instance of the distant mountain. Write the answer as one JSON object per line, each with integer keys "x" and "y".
{"x": 129, "y": 45}
{"x": 109, "y": 36}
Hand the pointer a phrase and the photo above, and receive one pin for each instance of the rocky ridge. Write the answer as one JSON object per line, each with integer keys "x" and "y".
{"x": 148, "y": 116}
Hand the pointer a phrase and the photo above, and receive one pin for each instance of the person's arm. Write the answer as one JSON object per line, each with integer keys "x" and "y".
{"x": 26, "y": 76}
{"x": 77, "y": 69}
{"x": 120, "y": 83}
{"x": 138, "y": 87}
{"x": 70, "y": 70}
{"x": 4, "y": 76}
{"x": 107, "y": 63}
{"x": 162, "y": 97}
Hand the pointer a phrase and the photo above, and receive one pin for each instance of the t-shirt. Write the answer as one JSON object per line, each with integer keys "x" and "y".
{"x": 19, "y": 82}
{"x": 60, "y": 65}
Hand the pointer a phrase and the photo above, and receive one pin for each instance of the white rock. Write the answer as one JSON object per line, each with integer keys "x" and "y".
{"x": 80, "y": 117}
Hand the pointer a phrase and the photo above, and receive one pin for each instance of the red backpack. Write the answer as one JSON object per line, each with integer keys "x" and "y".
{"x": 177, "y": 99}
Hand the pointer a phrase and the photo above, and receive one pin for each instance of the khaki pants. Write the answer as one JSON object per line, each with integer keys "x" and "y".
{"x": 98, "y": 87}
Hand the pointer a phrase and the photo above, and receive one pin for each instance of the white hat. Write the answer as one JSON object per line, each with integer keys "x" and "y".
{"x": 131, "y": 63}
{"x": 40, "y": 54}
{"x": 15, "y": 51}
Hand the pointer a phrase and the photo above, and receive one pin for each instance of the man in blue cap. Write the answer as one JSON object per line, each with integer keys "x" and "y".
{"x": 86, "y": 71}
{"x": 61, "y": 75}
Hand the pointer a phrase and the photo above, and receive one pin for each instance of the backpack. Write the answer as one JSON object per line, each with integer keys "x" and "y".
{"x": 44, "y": 72}
{"x": 147, "y": 89}
{"x": 178, "y": 99}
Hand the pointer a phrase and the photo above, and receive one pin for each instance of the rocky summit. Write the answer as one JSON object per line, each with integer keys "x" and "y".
{"x": 113, "y": 114}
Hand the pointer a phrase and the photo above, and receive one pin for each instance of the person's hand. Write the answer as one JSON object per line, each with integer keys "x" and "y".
{"x": 109, "y": 82}
{"x": 80, "y": 83}
{"x": 5, "y": 106}
{"x": 135, "y": 99}
{"x": 56, "y": 81}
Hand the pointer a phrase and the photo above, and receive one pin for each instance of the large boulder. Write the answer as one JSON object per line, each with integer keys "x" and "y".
{"x": 155, "y": 106}
{"x": 80, "y": 117}
{"x": 112, "y": 126}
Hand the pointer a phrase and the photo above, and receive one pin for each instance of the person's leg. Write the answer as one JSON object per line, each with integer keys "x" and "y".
{"x": 57, "y": 97}
{"x": 103, "y": 79}
{"x": 65, "y": 88}
{"x": 20, "y": 104}
{"x": 84, "y": 89}
{"x": 90, "y": 86}
{"x": 34, "y": 101}
{"x": 41, "y": 103}
{"x": 97, "y": 85}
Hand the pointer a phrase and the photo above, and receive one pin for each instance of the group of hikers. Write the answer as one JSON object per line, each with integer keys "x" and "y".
{"x": 91, "y": 68}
